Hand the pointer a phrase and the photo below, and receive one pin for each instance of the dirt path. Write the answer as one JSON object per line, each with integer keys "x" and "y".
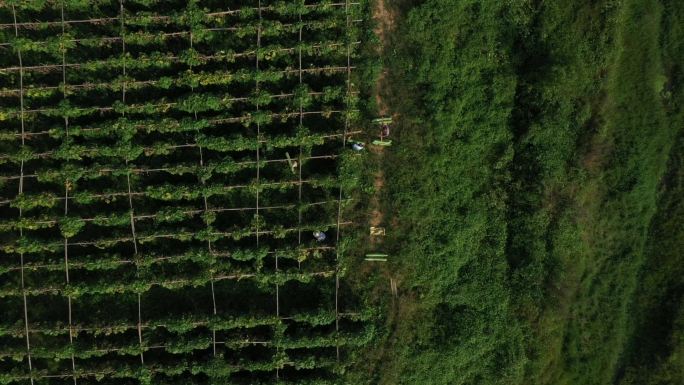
{"x": 377, "y": 216}
{"x": 382, "y": 364}
{"x": 385, "y": 21}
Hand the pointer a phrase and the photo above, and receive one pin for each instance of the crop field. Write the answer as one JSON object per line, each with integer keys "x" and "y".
{"x": 163, "y": 164}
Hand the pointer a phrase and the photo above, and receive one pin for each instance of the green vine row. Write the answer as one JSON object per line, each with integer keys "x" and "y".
{"x": 191, "y": 16}
{"x": 139, "y": 286}
{"x": 184, "y": 324}
{"x": 127, "y": 127}
{"x": 28, "y": 245}
{"x": 189, "y": 57}
{"x": 112, "y": 261}
{"x": 70, "y": 226}
{"x": 205, "y": 102}
{"x": 226, "y": 166}
{"x": 166, "y": 192}
{"x": 217, "y": 368}
{"x": 185, "y": 80}
{"x": 57, "y": 45}
{"x": 183, "y": 343}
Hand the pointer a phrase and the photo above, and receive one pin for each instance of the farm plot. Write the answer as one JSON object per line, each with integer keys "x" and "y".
{"x": 162, "y": 167}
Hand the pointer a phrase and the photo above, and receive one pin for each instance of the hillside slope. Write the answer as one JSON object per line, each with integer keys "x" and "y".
{"x": 532, "y": 192}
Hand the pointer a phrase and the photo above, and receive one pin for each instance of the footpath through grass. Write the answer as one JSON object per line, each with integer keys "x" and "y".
{"x": 535, "y": 192}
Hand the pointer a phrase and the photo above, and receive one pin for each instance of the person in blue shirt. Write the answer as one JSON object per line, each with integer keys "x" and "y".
{"x": 319, "y": 235}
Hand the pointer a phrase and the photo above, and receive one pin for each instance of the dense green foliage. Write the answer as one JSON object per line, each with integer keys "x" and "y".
{"x": 535, "y": 191}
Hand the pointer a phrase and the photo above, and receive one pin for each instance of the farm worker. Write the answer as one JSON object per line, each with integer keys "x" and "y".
{"x": 357, "y": 146}
{"x": 319, "y": 235}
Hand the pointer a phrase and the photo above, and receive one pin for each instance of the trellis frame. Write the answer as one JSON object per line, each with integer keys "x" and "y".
{"x": 130, "y": 193}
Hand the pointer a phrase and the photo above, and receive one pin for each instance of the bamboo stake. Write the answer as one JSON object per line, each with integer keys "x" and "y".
{"x": 21, "y": 191}
{"x": 128, "y": 176}
{"x": 339, "y": 207}
{"x": 66, "y": 212}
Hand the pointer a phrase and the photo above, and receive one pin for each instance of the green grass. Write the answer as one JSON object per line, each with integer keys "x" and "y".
{"x": 529, "y": 192}
{"x": 613, "y": 206}
{"x": 656, "y": 351}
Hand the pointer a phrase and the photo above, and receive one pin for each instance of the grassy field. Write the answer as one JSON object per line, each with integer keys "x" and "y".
{"x": 535, "y": 194}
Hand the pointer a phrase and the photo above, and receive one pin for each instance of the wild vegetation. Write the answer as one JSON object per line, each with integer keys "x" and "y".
{"x": 162, "y": 167}
{"x": 534, "y": 192}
